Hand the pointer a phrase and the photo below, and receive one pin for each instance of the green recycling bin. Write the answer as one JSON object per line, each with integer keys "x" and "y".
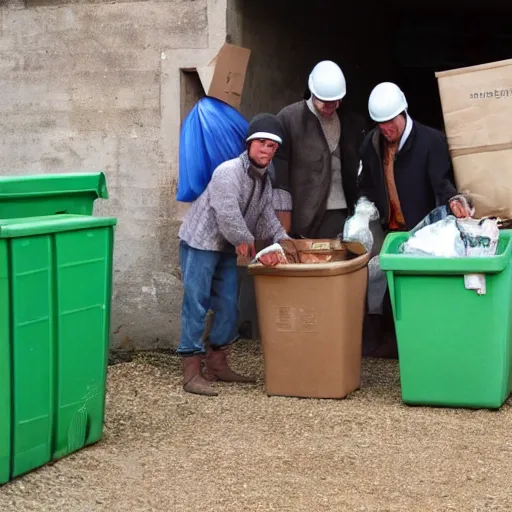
{"x": 454, "y": 345}
{"x": 55, "y": 298}
{"x": 49, "y": 194}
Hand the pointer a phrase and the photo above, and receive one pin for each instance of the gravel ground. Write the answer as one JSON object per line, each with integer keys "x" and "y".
{"x": 164, "y": 450}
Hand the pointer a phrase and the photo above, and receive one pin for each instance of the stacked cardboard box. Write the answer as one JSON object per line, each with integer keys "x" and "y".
{"x": 477, "y": 111}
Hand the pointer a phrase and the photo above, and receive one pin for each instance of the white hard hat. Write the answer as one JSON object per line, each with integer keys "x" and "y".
{"x": 386, "y": 102}
{"x": 327, "y": 81}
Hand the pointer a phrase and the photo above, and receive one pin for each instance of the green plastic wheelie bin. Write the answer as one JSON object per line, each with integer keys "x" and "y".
{"x": 454, "y": 345}
{"x": 55, "y": 300}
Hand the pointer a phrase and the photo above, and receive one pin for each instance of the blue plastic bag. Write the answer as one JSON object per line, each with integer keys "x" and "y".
{"x": 212, "y": 133}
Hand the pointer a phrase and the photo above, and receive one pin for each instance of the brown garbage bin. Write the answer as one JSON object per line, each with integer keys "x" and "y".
{"x": 311, "y": 325}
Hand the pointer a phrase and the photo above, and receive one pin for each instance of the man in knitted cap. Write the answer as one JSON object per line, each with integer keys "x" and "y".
{"x": 225, "y": 220}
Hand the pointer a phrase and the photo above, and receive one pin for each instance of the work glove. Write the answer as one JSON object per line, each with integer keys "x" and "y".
{"x": 461, "y": 206}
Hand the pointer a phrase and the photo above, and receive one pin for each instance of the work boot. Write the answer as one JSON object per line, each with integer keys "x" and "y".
{"x": 379, "y": 340}
{"x": 193, "y": 381}
{"x": 217, "y": 368}
{"x": 387, "y": 350}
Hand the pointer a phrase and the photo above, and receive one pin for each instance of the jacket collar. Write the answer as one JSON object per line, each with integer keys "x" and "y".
{"x": 252, "y": 170}
{"x": 405, "y": 141}
{"x": 407, "y": 132}
{"x": 307, "y": 111}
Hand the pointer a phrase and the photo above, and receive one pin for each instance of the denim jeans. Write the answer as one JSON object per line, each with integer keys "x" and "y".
{"x": 209, "y": 282}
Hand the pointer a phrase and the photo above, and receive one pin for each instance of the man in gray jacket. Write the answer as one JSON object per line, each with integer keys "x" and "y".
{"x": 226, "y": 219}
{"x": 319, "y": 160}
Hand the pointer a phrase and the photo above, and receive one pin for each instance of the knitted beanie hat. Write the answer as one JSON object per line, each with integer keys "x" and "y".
{"x": 265, "y": 126}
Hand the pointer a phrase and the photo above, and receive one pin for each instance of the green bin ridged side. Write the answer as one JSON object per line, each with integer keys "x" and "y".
{"x": 5, "y": 368}
{"x": 60, "y": 299}
{"x": 33, "y": 341}
{"x": 454, "y": 345}
{"x": 83, "y": 262}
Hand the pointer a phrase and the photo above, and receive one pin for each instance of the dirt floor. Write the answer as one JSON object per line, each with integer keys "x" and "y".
{"x": 164, "y": 450}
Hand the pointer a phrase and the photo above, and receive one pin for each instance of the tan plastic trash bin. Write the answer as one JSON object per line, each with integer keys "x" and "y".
{"x": 311, "y": 326}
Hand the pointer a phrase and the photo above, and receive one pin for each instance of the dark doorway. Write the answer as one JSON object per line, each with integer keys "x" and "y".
{"x": 401, "y": 41}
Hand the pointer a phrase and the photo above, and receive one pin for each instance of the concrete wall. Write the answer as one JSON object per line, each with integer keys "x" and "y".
{"x": 95, "y": 86}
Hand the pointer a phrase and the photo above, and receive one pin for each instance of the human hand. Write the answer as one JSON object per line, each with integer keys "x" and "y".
{"x": 272, "y": 259}
{"x": 461, "y": 206}
{"x": 246, "y": 250}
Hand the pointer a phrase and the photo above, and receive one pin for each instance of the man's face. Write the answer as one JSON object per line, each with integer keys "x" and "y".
{"x": 326, "y": 108}
{"x": 261, "y": 151}
{"x": 392, "y": 130}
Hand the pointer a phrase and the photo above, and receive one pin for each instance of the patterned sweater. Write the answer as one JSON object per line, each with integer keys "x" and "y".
{"x": 235, "y": 208}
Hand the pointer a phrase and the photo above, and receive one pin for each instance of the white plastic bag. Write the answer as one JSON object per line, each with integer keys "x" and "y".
{"x": 441, "y": 239}
{"x": 452, "y": 238}
{"x": 480, "y": 240}
{"x": 480, "y": 237}
{"x": 357, "y": 227}
{"x": 271, "y": 248}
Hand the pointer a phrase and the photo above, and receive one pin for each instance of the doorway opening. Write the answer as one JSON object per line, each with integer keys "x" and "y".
{"x": 398, "y": 41}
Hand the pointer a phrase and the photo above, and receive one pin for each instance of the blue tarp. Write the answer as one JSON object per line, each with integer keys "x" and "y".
{"x": 212, "y": 133}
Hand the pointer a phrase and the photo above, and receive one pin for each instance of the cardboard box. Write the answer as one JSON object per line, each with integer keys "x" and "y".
{"x": 224, "y": 77}
{"x": 477, "y": 111}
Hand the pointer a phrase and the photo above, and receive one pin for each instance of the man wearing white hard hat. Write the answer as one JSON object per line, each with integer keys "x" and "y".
{"x": 317, "y": 165}
{"x": 406, "y": 166}
{"x": 407, "y": 172}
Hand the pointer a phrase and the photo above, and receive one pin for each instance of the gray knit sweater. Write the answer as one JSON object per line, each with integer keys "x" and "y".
{"x": 235, "y": 208}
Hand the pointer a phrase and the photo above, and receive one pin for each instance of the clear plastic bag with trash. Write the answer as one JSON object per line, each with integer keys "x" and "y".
{"x": 462, "y": 202}
{"x": 437, "y": 214}
{"x": 357, "y": 227}
{"x": 480, "y": 237}
{"x": 454, "y": 238}
{"x": 440, "y": 239}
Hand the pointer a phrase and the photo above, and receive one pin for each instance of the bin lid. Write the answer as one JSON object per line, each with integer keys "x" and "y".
{"x": 53, "y": 184}
{"x": 323, "y": 269}
{"x": 31, "y": 226}
{"x": 392, "y": 260}
{"x": 47, "y": 194}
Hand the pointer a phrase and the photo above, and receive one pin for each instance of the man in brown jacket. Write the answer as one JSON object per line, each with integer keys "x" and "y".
{"x": 319, "y": 161}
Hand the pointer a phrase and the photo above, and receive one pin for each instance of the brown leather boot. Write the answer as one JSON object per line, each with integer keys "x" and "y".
{"x": 217, "y": 368}
{"x": 193, "y": 381}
